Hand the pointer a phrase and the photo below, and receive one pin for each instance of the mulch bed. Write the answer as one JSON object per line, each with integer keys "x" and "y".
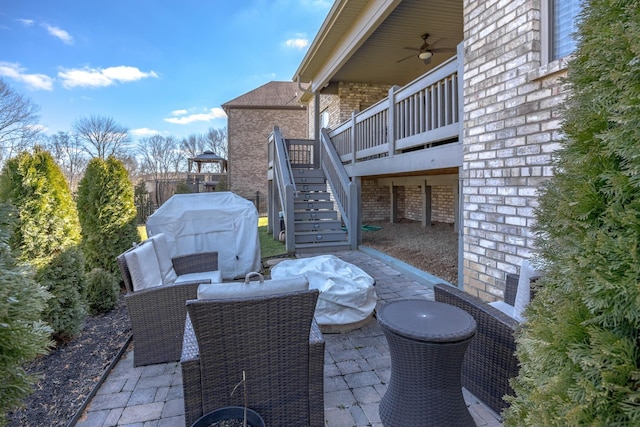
{"x": 69, "y": 372}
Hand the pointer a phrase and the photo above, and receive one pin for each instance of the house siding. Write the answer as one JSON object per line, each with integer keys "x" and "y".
{"x": 248, "y": 132}
{"x": 511, "y": 129}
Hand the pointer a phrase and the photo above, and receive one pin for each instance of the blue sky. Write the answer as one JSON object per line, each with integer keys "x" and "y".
{"x": 163, "y": 66}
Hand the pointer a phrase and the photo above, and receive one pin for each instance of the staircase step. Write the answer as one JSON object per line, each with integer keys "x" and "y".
{"x": 313, "y": 205}
{"x": 323, "y": 236}
{"x": 314, "y": 215}
{"x": 327, "y": 224}
{"x": 309, "y": 180}
{"x": 322, "y": 247}
{"x": 311, "y": 187}
{"x": 313, "y": 195}
{"x": 308, "y": 173}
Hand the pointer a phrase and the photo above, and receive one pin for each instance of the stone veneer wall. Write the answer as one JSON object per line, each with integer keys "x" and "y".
{"x": 248, "y": 132}
{"x": 511, "y": 128}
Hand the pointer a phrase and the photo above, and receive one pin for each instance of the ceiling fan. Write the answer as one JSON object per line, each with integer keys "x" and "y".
{"x": 426, "y": 50}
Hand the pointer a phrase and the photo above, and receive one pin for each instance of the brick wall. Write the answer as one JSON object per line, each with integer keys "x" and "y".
{"x": 355, "y": 97}
{"x": 376, "y": 202}
{"x": 351, "y": 97}
{"x": 442, "y": 204}
{"x": 248, "y": 131}
{"x": 511, "y": 122}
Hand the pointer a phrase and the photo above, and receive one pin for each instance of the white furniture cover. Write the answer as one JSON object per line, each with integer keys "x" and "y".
{"x": 347, "y": 293}
{"x": 218, "y": 221}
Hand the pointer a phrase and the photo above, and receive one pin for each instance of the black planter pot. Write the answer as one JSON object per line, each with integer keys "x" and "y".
{"x": 229, "y": 413}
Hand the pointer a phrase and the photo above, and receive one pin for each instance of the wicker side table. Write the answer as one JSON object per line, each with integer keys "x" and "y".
{"x": 427, "y": 341}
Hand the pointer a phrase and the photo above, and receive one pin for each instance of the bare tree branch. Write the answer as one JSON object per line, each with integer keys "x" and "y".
{"x": 69, "y": 153}
{"x": 18, "y": 122}
{"x": 161, "y": 157}
{"x": 102, "y": 136}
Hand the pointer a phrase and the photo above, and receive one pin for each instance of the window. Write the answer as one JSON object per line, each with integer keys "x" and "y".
{"x": 558, "y": 25}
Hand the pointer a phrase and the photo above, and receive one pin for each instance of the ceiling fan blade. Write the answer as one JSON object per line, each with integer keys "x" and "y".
{"x": 437, "y": 41}
{"x": 411, "y": 48}
{"x": 443, "y": 49}
{"x": 404, "y": 59}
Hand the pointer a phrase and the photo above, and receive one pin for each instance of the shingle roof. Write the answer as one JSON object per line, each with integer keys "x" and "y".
{"x": 270, "y": 95}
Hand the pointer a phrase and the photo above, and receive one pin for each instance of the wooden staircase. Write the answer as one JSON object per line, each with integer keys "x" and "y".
{"x": 316, "y": 224}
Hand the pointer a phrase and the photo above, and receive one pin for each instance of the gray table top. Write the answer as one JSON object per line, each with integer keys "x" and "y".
{"x": 428, "y": 321}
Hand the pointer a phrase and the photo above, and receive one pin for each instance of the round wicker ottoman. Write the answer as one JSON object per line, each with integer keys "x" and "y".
{"x": 427, "y": 341}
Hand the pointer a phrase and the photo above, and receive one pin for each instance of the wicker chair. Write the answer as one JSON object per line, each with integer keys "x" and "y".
{"x": 490, "y": 361}
{"x": 274, "y": 339}
{"x": 158, "y": 314}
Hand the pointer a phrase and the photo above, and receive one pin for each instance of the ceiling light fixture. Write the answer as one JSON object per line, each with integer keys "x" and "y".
{"x": 427, "y": 54}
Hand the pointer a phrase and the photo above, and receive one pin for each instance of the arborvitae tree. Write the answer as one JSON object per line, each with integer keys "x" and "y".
{"x": 579, "y": 350}
{"x": 48, "y": 220}
{"x": 103, "y": 291}
{"x": 48, "y": 235}
{"x": 107, "y": 213}
{"x": 23, "y": 336}
{"x": 64, "y": 277}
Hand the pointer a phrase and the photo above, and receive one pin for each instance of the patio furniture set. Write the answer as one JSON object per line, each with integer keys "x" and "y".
{"x": 264, "y": 331}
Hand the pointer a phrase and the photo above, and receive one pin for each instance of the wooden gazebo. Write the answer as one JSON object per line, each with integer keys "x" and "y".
{"x": 207, "y": 157}
{"x": 209, "y": 180}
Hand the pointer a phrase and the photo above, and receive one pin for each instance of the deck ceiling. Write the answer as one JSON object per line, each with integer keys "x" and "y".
{"x": 372, "y": 56}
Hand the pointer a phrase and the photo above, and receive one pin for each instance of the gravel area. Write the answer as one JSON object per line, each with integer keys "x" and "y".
{"x": 432, "y": 249}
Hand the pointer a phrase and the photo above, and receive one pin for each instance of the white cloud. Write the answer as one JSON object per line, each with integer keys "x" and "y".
{"x": 143, "y": 132}
{"x": 59, "y": 33}
{"x": 26, "y": 22}
{"x": 179, "y": 112}
{"x": 101, "y": 77}
{"x": 297, "y": 43}
{"x": 207, "y": 116}
{"x": 33, "y": 81}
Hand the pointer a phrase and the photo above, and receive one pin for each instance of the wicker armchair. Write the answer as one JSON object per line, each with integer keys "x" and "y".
{"x": 490, "y": 361}
{"x": 158, "y": 314}
{"x": 274, "y": 339}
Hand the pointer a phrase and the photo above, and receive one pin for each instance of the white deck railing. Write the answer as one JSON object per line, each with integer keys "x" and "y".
{"x": 422, "y": 114}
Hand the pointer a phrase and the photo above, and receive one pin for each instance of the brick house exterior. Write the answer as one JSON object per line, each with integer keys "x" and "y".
{"x": 511, "y": 96}
{"x": 250, "y": 119}
{"x": 511, "y": 128}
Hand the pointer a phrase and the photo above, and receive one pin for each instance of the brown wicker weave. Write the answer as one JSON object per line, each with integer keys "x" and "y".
{"x": 427, "y": 342}
{"x": 273, "y": 339}
{"x": 490, "y": 361}
{"x": 157, "y": 314}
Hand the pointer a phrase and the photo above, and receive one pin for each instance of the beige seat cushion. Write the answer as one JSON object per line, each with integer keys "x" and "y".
{"x": 143, "y": 267}
{"x": 164, "y": 258}
{"x": 203, "y": 276}
{"x": 252, "y": 289}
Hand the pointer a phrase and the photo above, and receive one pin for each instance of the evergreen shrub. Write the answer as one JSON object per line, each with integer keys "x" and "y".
{"x": 579, "y": 351}
{"x": 47, "y": 235}
{"x": 107, "y": 213}
{"x": 48, "y": 219}
{"x": 103, "y": 290}
{"x": 64, "y": 277}
{"x": 23, "y": 336}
